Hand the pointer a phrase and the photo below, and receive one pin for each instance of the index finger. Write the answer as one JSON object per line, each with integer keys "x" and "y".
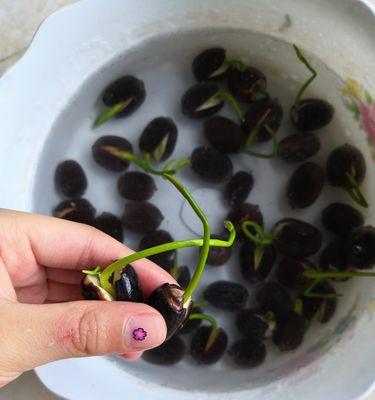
{"x": 64, "y": 244}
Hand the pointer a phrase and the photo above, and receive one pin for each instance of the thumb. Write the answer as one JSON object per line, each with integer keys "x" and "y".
{"x": 37, "y": 334}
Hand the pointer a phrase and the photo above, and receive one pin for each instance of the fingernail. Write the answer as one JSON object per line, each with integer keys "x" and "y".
{"x": 144, "y": 331}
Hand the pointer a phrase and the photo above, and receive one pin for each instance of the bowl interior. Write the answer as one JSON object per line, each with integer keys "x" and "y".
{"x": 164, "y": 65}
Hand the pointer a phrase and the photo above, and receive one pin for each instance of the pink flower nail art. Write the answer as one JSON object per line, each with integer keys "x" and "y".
{"x": 367, "y": 118}
{"x": 139, "y": 334}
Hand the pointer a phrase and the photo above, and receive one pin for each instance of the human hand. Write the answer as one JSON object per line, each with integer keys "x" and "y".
{"x": 42, "y": 319}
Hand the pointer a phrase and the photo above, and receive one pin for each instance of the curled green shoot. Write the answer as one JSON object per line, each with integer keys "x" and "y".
{"x": 252, "y": 137}
{"x": 355, "y": 192}
{"x": 260, "y": 237}
{"x": 303, "y": 88}
{"x": 144, "y": 161}
{"x": 205, "y": 243}
{"x": 214, "y": 328}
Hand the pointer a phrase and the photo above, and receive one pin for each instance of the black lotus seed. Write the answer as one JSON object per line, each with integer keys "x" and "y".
{"x": 169, "y": 353}
{"x": 344, "y": 160}
{"x": 321, "y": 309}
{"x": 109, "y": 224}
{"x": 247, "y": 260}
{"x": 225, "y": 295}
{"x": 128, "y": 90}
{"x": 107, "y": 160}
{"x": 341, "y": 218}
{"x": 312, "y": 114}
{"x": 136, "y": 186}
{"x": 77, "y": 210}
{"x": 289, "y": 331}
{"x": 224, "y": 135}
{"x": 168, "y": 299}
{"x": 159, "y": 138}
{"x": 305, "y": 185}
{"x": 201, "y": 100}
{"x": 238, "y": 188}
{"x": 210, "y": 65}
{"x": 296, "y": 238}
{"x": 141, "y": 217}
{"x": 211, "y": 165}
{"x": 291, "y": 272}
{"x": 198, "y": 347}
{"x": 254, "y": 324}
{"x": 245, "y": 84}
{"x": 128, "y": 287}
{"x": 247, "y": 353}
{"x": 70, "y": 179}
{"x": 360, "y": 247}
{"x": 271, "y": 296}
{"x": 333, "y": 257}
{"x": 262, "y": 115}
{"x": 298, "y": 147}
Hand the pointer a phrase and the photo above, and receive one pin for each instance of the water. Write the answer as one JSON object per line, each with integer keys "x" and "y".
{"x": 164, "y": 65}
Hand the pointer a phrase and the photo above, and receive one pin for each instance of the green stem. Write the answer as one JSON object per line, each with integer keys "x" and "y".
{"x": 304, "y": 61}
{"x": 95, "y": 271}
{"x": 261, "y": 238}
{"x": 214, "y": 327}
{"x": 355, "y": 192}
{"x": 199, "y": 303}
{"x": 179, "y": 164}
{"x": 162, "y": 248}
{"x": 206, "y": 236}
{"x": 323, "y": 295}
{"x": 204, "y": 317}
{"x": 275, "y": 144}
{"x": 308, "y": 292}
{"x": 311, "y": 286}
{"x": 109, "y": 113}
{"x": 232, "y": 101}
{"x": 328, "y": 275}
{"x": 144, "y": 163}
{"x": 298, "y": 307}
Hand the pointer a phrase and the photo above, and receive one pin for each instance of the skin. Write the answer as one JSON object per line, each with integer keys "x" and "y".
{"x": 40, "y": 296}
